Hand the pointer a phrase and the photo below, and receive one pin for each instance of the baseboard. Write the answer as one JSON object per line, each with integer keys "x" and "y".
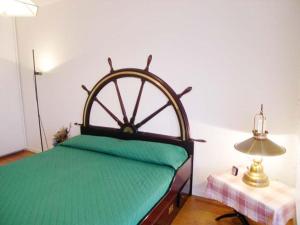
{"x": 33, "y": 150}
{"x": 12, "y": 153}
{"x": 37, "y": 150}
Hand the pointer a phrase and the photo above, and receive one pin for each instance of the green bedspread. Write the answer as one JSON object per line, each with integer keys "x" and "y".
{"x": 71, "y": 186}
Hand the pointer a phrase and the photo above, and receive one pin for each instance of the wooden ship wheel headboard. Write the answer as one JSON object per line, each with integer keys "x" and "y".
{"x": 128, "y": 126}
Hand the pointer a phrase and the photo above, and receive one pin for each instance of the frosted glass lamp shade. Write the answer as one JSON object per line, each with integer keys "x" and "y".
{"x": 18, "y": 8}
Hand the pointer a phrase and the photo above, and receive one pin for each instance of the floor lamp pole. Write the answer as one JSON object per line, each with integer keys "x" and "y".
{"x": 35, "y": 73}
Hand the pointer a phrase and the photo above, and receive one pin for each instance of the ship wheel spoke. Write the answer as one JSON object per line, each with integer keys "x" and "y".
{"x": 121, "y": 102}
{"x": 138, "y": 125}
{"x": 137, "y": 102}
{"x": 113, "y": 116}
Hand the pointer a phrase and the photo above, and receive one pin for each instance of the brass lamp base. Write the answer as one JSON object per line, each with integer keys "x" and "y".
{"x": 255, "y": 176}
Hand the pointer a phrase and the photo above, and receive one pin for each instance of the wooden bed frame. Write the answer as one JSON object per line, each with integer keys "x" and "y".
{"x": 166, "y": 209}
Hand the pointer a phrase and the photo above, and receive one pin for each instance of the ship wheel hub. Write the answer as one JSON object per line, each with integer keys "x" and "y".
{"x": 128, "y": 128}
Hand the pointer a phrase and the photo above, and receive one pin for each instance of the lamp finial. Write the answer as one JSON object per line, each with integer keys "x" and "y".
{"x": 261, "y": 109}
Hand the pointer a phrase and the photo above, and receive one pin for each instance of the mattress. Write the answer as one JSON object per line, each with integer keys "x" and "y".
{"x": 79, "y": 183}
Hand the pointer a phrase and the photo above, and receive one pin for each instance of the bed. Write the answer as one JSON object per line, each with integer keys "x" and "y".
{"x": 105, "y": 176}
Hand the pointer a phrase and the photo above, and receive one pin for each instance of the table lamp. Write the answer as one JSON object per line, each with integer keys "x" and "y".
{"x": 259, "y": 145}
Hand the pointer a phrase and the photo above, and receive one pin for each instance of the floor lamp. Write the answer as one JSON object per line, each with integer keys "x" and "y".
{"x": 35, "y": 74}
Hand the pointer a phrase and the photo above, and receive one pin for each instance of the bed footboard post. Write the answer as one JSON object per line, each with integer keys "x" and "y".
{"x": 191, "y": 180}
{"x": 190, "y": 148}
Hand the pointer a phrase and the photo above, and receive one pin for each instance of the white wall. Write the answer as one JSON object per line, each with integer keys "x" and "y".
{"x": 12, "y": 135}
{"x": 235, "y": 54}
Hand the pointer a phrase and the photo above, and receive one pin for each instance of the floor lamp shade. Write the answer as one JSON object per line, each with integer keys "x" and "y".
{"x": 22, "y": 8}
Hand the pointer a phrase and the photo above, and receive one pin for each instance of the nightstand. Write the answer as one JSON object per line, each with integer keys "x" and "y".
{"x": 272, "y": 205}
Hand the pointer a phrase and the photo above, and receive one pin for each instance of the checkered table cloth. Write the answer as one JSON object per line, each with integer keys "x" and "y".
{"x": 272, "y": 205}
